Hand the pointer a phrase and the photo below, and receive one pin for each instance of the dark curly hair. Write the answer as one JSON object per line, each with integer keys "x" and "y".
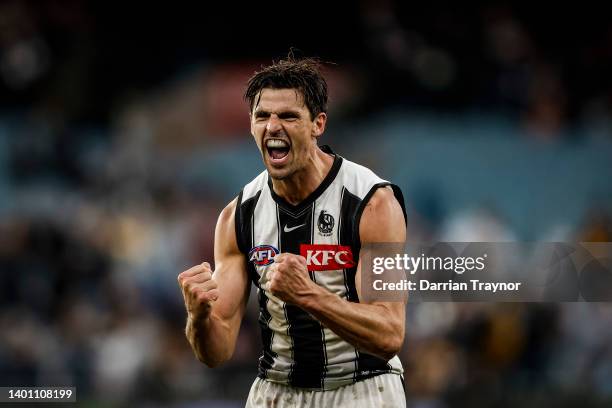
{"x": 302, "y": 74}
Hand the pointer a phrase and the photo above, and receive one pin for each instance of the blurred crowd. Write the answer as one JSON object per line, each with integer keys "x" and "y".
{"x": 123, "y": 135}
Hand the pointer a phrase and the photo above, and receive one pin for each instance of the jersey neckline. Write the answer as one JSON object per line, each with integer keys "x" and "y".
{"x": 329, "y": 178}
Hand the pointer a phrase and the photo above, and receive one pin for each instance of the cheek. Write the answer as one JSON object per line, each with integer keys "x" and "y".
{"x": 301, "y": 137}
{"x": 303, "y": 144}
{"x": 257, "y": 137}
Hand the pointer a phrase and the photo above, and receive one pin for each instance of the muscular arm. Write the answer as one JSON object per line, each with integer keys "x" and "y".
{"x": 216, "y": 301}
{"x": 378, "y": 327}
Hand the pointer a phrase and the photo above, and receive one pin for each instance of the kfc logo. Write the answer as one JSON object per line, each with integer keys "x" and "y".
{"x": 327, "y": 257}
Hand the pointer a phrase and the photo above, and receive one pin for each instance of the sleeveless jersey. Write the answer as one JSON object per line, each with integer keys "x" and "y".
{"x": 324, "y": 228}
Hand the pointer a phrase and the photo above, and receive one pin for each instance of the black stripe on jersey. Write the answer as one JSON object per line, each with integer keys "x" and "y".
{"x": 397, "y": 192}
{"x": 306, "y": 334}
{"x": 369, "y": 366}
{"x": 278, "y": 230}
{"x": 348, "y": 212}
{"x": 244, "y": 220}
{"x": 312, "y": 224}
{"x": 267, "y": 355}
{"x": 346, "y": 290}
{"x": 349, "y": 203}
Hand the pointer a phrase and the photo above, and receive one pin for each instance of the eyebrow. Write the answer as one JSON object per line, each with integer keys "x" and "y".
{"x": 282, "y": 114}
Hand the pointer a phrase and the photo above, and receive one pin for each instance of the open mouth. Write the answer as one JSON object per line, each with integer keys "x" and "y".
{"x": 277, "y": 149}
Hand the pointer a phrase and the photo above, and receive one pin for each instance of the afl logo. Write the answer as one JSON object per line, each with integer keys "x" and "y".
{"x": 325, "y": 223}
{"x": 262, "y": 255}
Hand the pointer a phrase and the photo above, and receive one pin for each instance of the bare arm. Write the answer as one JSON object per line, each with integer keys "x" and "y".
{"x": 376, "y": 328}
{"x": 216, "y": 301}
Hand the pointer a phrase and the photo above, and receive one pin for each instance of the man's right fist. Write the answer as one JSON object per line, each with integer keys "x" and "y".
{"x": 199, "y": 290}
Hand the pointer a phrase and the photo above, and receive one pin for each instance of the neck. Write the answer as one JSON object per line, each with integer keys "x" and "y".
{"x": 301, "y": 184}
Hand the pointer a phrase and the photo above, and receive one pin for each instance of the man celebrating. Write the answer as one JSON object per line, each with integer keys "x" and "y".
{"x": 295, "y": 231}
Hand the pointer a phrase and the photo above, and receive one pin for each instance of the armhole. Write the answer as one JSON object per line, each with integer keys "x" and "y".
{"x": 397, "y": 192}
{"x": 238, "y": 224}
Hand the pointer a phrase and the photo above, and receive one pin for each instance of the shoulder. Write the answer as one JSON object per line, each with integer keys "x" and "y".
{"x": 225, "y": 231}
{"x": 254, "y": 187}
{"x": 383, "y": 198}
{"x": 358, "y": 179}
{"x": 383, "y": 218}
{"x": 227, "y": 214}
{"x": 226, "y": 223}
{"x": 383, "y": 204}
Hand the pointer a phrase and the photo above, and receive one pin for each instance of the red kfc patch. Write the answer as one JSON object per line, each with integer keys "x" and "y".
{"x": 325, "y": 257}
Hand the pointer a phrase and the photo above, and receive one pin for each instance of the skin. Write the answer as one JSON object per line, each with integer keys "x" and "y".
{"x": 216, "y": 302}
{"x": 282, "y": 114}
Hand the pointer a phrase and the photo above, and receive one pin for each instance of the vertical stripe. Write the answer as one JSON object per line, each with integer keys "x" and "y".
{"x": 312, "y": 224}
{"x": 280, "y": 248}
{"x": 308, "y": 349}
{"x": 245, "y": 231}
{"x": 348, "y": 210}
{"x": 243, "y": 218}
{"x": 339, "y": 240}
{"x": 266, "y": 361}
{"x": 313, "y": 277}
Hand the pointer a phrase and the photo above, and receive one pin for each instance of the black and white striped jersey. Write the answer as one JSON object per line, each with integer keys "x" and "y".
{"x": 324, "y": 228}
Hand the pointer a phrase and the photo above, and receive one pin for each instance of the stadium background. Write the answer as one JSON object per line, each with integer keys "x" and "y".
{"x": 123, "y": 134}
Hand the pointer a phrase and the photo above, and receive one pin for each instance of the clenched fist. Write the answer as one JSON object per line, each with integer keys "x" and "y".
{"x": 199, "y": 290}
{"x": 288, "y": 278}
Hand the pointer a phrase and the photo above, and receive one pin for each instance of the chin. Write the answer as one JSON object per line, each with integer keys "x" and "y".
{"x": 279, "y": 174}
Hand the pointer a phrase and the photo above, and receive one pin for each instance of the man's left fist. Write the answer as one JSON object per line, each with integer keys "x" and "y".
{"x": 288, "y": 278}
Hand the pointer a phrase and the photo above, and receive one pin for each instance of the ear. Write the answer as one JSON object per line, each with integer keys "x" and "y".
{"x": 319, "y": 124}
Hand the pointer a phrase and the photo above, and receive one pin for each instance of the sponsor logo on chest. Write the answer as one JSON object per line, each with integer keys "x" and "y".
{"x": 324, "y": 257}
{"x": 319, "y": 257}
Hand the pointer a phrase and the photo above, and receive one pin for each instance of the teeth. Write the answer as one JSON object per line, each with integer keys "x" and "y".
{"x": 276, "y": 143}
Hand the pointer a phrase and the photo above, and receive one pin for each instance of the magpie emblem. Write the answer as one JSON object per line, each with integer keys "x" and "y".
{"x": 325, "y": 223}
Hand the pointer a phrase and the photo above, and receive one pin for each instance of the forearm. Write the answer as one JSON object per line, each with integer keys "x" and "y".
{"x": 372, "y": 328}
{"x": 211, "y": 339}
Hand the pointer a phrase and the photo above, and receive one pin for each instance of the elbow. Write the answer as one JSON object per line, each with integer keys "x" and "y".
{"x": 390, "y": 348}
{"x": 391, "y": 345}
{"x": 210, "y": 362}
{"x": 207, "y": 357}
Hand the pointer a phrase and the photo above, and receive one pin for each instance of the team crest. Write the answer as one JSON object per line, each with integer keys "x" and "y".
{"x": 262, "y": 255}
{"x": 325, "y": 223}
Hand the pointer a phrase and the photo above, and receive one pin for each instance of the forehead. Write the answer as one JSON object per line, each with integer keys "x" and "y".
{"x": 270, "y": 99}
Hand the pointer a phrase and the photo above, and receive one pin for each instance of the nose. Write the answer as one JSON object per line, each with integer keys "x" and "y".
{"x": 273, "y": 124}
